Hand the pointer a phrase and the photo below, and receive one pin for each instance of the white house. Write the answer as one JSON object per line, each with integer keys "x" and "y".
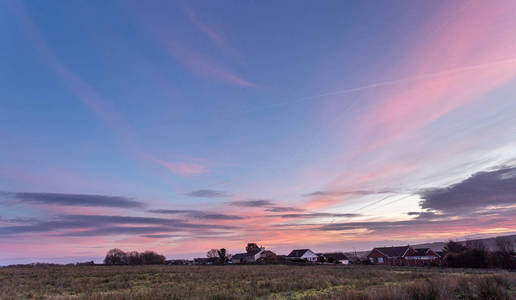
{"x": 302, "y": 254}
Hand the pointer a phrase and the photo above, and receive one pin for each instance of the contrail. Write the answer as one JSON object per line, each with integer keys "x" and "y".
{"x": 389, "y": 83}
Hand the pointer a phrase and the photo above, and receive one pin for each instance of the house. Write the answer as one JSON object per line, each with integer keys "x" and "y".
{"x": 302, "y": 254}
{"x": 335, "y": 257}
{"x": 423, "y": 256}
{"x": 178, "y": 262}
{"x": 405, "y": 255}
{"x": 267, "y": 256}
{"x": 390, "y": 255}
{"x": 205, "y": 260}
{"x": 249, "y": 257}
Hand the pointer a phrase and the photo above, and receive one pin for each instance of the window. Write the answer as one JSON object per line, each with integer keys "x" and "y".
{"x": 380, "y": 259}
{"x": 371, "y": 259}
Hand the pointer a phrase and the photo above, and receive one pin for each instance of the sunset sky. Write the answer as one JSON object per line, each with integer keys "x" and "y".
{"x": 180, "y": 126}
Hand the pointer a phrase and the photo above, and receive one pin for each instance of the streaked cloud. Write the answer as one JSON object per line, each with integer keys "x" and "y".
{"x": 283, "y": 209}
{"x": 76, "y": 200}
{"x": 317, "y": 215}
{"x": 252, "y": 203}
{"x": 196, "y": 214}
{"x": 97, "y": 225}
{"x": 207, "y": 193}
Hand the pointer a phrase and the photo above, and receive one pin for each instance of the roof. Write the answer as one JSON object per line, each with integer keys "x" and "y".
{"x": 335, "y": 255}
{"x": 248, "y": 254}
{"x": 298, "y": 252}
{"x": 254, "y": 252}
{"x": 238, "y": 256}
{"x": 393, "y": 251}
{"x": 421, "y": 252}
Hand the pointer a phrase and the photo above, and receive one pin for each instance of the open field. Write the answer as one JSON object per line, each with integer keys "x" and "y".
{"x": 254, "y": 282}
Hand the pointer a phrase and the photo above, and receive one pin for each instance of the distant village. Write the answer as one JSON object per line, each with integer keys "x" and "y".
{"x": 496, "y": 252}
{"x": 405, "y": 255}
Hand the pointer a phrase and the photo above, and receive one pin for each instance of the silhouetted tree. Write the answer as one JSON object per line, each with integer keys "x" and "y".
{"x": 115, "y": 257}
{"x": 252, "y": 247}
{"x": 222, "y": 255}
{"x": 152, "y": 258}
{"x": 505, "y": 245}
{"x": 454, "y": 247}
{"x": 213, "y": 253}
{"x": 134, "y": 258}
{"x": 119, "y": 257}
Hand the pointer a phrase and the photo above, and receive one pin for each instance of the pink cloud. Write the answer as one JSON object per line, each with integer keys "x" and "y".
{"x": 184, "y": 168}
{"x": 475, "y": 34}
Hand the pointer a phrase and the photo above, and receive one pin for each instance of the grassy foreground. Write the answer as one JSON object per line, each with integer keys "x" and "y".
{"x": 254, "y": 282}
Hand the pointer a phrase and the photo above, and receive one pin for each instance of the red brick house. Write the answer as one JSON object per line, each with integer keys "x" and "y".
{"x": 424, "y": 256}
{"x": 404, "y": 256}
{"x": 390, "y": 255}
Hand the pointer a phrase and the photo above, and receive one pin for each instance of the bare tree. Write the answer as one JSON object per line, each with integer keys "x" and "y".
{"x": 222, "y": 255}
{"x": 213, "y": 253}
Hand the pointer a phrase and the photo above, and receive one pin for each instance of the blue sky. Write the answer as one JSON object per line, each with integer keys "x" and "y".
{"x": 351, "y": 108}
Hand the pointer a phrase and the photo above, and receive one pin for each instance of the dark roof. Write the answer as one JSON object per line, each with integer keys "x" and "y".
{"x": 248, "y": 254}
{"x": 393, "y": 251}
{"x": 298, "y": 252}
{"x": 335, "y": 255}
{"x": 421, "y": 252}
{"x": 254, "y": 252}
{"x": 238, "y": 256}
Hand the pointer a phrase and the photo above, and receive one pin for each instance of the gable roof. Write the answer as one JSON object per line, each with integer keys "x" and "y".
{"x": 298, "y": 252}
{"x": 335, "y": 255}
{"x": 421, "y": 252}
{"x": 393, "y": 251}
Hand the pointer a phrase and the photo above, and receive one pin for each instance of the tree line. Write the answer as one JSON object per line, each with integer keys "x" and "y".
{"x": 119, "y": 257}
{"x": 474, "y": 254}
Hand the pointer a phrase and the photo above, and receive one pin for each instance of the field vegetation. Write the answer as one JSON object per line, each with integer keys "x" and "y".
{"x": 254, "y": 282}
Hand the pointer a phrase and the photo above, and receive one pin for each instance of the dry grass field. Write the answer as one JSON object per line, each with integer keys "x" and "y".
{"x": 254, "y": 282}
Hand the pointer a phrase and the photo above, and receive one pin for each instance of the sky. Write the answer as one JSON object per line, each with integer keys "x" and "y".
{"x": 181, "y": 126}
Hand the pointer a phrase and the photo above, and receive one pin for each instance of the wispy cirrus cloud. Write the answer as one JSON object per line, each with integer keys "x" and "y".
{"x": 217, "y": 37}
{"x": 457, "y": 73}
{"x": 350, "y": 192}
{"x": 75, "y": 199}
{"x": 182, "y": 168}
{"x": 194, "y": 61}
